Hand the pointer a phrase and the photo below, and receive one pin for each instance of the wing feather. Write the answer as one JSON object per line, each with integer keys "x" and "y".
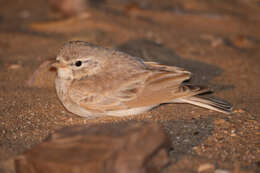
{"x": 158, "y": 84}
{"x": 81, "y": 93}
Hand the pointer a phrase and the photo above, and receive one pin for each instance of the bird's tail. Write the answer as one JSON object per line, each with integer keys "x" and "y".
{"x": 207, "y": 102}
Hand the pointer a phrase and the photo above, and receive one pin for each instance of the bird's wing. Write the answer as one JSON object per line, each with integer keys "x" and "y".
{"x": 159, "y": 84}
{"x": 111, "y": 98}
{"x": 164, "y": 85}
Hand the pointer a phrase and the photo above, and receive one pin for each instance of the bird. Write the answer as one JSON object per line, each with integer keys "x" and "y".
{"x": 94, "y": 81}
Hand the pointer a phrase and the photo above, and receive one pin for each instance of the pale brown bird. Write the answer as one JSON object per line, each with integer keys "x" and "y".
{"x": 93, "y": 81}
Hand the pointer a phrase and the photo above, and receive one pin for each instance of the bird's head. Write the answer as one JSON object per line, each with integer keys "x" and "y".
{"x": 78, "y": 59}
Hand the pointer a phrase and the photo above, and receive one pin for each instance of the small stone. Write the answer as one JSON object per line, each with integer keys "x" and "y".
{"x": 68, "y": 7}
{"x": 14, "y": 66}
{"x": 219, "y": 121}
{"x": 241, "y": 41}
{"x": 214, "y": 41}
{"x": 25, "y": 14}
{"x": 70, "y": 120}
{"x": 239, "y": 111}
{"x": 233, "y": 133}
{"x": 222, "y": 171}
{"x": 206, "y": 167}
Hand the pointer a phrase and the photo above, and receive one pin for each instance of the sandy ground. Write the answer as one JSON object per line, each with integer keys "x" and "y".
{"x": 218, "y": 41}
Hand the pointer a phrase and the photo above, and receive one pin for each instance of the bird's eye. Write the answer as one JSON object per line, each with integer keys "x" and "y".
{"x": 78, "y": 63}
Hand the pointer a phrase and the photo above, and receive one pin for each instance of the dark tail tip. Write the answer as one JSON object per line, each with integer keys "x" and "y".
{"x": 216, "y": 103}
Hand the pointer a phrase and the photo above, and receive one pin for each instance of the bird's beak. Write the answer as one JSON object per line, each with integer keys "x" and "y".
{"x": 58, "y": 65}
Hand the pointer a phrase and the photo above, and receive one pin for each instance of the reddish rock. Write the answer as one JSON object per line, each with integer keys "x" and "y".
{"x": 123, "y": 148}
{"x": 43, "y": 76}
{"x": 69, "y": 7}
{"x": 188, "y": 164}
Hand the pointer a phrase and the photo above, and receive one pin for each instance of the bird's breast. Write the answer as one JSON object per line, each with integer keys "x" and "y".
{"x": 62, "y": 86}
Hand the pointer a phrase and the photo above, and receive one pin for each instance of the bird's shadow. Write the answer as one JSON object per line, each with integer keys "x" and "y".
{"x": 184, "y": 134}
{"x": 149, "y": 50}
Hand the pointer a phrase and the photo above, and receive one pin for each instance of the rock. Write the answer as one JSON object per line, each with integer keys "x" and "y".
{"x": 14, "y": 66}
{"x": 222, "y": 171}
{"x": 188, "y": 163}
{"x": 241, "y": 42}
{"x": 124, "y": 147}
{"x": 156, "y": 164}
{"x": 43, "y": 76}
{"x": 198, "y": 164}
{"x": 69, "y": 7}
{"x": 207, "y": 167}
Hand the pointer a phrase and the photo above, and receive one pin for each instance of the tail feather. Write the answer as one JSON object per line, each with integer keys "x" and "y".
{"x": 209, "y": 103}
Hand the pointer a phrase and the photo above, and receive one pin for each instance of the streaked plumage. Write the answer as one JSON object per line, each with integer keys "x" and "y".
{"x": 94, "y": 81}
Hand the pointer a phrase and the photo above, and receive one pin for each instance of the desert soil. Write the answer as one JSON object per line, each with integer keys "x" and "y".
{"x": 218, "y": 41}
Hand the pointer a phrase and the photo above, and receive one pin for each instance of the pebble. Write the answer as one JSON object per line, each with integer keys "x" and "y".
{"x": 14, "y": 66}
{"x": 25, "y": 14}
{"x": 222, "y": 171}
{"x": 206, "y": 167}
{"x": 239, "y": 111}
{"x": 233, "y": 133}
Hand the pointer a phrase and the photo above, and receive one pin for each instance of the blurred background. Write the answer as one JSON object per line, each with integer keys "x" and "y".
{"x": 217, "y": 40}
